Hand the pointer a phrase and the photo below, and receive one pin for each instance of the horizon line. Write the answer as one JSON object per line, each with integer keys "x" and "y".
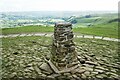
{"x": 62, "y": 11}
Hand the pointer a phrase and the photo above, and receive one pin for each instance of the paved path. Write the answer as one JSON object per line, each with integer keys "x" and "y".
{"x": 51, "y": 34}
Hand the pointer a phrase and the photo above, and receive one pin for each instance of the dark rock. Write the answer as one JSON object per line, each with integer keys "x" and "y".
{"x": 15, "y": 53}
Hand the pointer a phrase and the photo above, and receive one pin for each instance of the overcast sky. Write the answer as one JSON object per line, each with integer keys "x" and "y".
{"x": 58, "y": 5}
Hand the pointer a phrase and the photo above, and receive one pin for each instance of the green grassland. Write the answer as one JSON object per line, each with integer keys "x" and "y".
{"x": 27, "y": 29}
{"x": 97, "y": 30}
{"x": 106, "y": 30}
{"x": 100, "y": 25}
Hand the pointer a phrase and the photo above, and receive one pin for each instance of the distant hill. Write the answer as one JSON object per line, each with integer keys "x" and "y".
{"x": 96, "y": 19}
{"x": 56, "y": 13}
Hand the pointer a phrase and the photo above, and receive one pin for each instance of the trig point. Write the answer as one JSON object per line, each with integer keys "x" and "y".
{"x": 63, "y": 53}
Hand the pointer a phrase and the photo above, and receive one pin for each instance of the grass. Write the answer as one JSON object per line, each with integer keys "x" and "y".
{"x": 27, "y": 29}
{"x": 106, "y": 30}
{"x": 28, "y": 41}
{"x": 98, "y": 25}
{"x": 98, "y": 30}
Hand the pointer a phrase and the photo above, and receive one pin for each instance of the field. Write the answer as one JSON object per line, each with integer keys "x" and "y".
{"x": 100, "y": 25}
{"x": 27, "y": 29}
{"x": 98, "y": 31}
